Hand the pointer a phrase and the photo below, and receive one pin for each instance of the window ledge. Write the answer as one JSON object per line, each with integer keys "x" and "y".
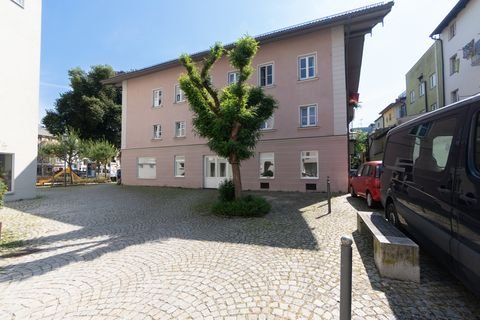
{"x": 182, "y": 177}
{"x": 270, "y": 86}
{"x": 268, "y": 130}
{"x": 309, "y": 178}
{"x": 179, "y": 137}
{"x": 157, "y": 139}
{"x": 307, "y": 80}
{"x": 180, "y": 102}
{"x": 266, "y": 178}
{"x": 308, "y": 127}
{"x": 157, "y": 107}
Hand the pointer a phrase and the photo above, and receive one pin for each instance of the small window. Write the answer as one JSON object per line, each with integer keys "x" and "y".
{"x": 309, "y": 164}
{"x": 454, "y": 64}
{"x": 367, "y": 171}
{"x": 267, "y": 165}
{"x": 180, "y": 129}
{"x": 179, "y": 95}
{"x": 433, "y": 81}
{"x": 157, "y": 98}
{"x": 454, "y": 96}
{"x": 306, "y": 67}
{"x": 412, "y": 96}
{"x": 266, "y": 75}
{"x": 179, "y": 166}
{"x": 421, "y": 89}
{"x": 157, "y": 131}
{"x": 6, "y": 170}
{"x": 434, "y": 106}
{"x": 147, "y": 168}
{"x": 308, "y": 116}
{"x": 267, "y": 124}
{"x": 233, "y": 77}
{"x": 452, "y": 30}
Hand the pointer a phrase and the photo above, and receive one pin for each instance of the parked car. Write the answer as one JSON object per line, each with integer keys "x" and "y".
{"x": 366, "y": 183}
{"x": 431, "y": 185}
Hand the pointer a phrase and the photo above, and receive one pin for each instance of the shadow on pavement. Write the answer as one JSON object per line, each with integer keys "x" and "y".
{"x": 110, "y": 218}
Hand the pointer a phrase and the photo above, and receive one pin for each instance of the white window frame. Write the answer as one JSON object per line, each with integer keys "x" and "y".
{"x": 309, "y": 112}
{"x": 180, "y": 129}
{"x": 434, "y": 106}
{"x": 157, "y": 131}
{"x": 155, "y": 96}
{"x": 307, "y": 66}
{"x": 452, "y": 30}
{"x": 268, "y": 124}
{"x": 412, "y": 96}
{"x": 263, "y": 157}
{"x": 259, "y": 70}
{"x": 179, "y": 94}
{"x": 454, "y": 97}
{"x": 146, "y": 163}
{"x": 307, "y": 155}
{"x": 236, "y": 76}
{"x": 421, "y": 89}
{"x": 454, "y": 64}
{"x": 178, "y": 170}
{"x": 433, "y": 80}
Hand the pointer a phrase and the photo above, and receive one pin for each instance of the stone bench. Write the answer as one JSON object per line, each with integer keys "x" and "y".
{"x": 396, "y": 255}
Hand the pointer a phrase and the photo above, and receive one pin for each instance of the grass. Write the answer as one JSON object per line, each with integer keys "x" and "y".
{"x": 10, "y": 241}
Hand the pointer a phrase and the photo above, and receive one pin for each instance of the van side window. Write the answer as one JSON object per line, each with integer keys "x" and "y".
{"x": 432, "y": 145}
{"x": 399, "y": 157}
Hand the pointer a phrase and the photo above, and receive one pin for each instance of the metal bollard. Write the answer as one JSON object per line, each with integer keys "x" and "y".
{"x": 329, "y": 196}
{"x": 346, "y": 278}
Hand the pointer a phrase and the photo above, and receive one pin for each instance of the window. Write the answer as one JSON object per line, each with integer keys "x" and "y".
{"x": 454, "y": 96}
{"x": 157, "y": 98}
{"x": 309, "y": 165}
{"x": 266, "y": 75}
{"x": 147, "y": 168}
{"x": 454, "y": 64}
{"x": 412, "y": 96}
{"x": 306, "y": 67}
{"x": 433, "y": 81}
{"x": 19, "y": 2}
{"x": 308, "y": 116}
{"x": 476, "y": 144}
{"x": 267, "y": 124}
{"x": 434, "y": 106}
{"x": 233, "y": 77}
{"x": 157, "y": 131}
{"x": 267, "y": 165}
{"x": 367, "y": 171}
{"x": 452, "y": 30}
{"x": 179, "y": 96}
{"x": 179, "y": 166}
{"x": 421, "y": 89}
{"x": 180, "y": 129}
{"x": 6, "y": 170}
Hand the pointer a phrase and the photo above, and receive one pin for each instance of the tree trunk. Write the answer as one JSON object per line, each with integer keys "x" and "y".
{"x": 237, "y": 179}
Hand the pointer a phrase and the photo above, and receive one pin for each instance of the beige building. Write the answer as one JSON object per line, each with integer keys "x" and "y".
{"x": 20, "y": 25}
{"x": 310, "y": 69}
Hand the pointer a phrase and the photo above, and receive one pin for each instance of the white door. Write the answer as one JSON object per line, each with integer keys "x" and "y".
{"x": 216, "y": 170}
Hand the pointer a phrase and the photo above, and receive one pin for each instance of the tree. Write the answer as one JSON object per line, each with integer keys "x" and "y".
{"x": 361, "y": 148}
{"x": 92, "y": 109}
{"x": 101, "y": 152}
{"x": 67, "y": 148}
{"x": 230, "y": 119}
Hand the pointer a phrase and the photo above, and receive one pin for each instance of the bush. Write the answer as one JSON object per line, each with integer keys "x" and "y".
{"x": 227, "y": 191}
{"x": 3, "y": 190}
{"x": 248, "y": 206}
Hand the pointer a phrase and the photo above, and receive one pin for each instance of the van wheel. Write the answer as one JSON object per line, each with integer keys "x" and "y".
{"x": 391, "y": 213}
{"x": 352, "y": 192}
{"x": 370, "y": 202}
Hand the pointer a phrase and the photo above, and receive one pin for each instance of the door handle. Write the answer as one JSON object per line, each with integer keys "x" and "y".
{"x": 468, "y": 199}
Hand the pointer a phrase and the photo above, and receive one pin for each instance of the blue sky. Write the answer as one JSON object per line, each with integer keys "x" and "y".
{"x": 129, "y": 34}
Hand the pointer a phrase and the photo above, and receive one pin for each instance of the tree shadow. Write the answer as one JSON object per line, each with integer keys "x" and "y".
{"x": 107, "y": 218}
{"x": 439, "y": 295}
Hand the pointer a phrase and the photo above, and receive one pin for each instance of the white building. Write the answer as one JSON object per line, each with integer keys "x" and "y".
{"x": 20, "y": 29}
{"x": 459, "y": 33}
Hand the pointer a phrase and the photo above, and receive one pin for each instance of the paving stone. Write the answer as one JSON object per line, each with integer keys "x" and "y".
{"x": 117, "y": 252}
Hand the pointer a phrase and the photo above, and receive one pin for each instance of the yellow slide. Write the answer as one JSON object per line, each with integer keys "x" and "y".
{"x": 74, "y": 176}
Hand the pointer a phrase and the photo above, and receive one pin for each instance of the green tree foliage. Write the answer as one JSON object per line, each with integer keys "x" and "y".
{"x": 361, "y": 149}
{"x": 229, "y": 119}
{"x": 68, "y": 148}
{"x": 101, "y": 152}
{"x": 92, "y": 109}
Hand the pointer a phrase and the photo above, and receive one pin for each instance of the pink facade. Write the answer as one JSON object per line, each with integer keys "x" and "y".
{"x": 307, "y": 142}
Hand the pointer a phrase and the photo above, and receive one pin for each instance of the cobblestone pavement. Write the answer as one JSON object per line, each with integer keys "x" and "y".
{"x": 116, "y": 252}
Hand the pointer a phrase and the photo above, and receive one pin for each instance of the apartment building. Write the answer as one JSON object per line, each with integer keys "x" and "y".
{"x": 312, "y": 70}
{"x": 20, "y": 25}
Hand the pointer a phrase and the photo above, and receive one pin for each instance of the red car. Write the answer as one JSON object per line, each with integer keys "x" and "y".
{"x": 366, "y": 183}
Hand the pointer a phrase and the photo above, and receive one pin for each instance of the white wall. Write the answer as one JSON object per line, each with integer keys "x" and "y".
{"x": 20, "y": 30}
{"x": 467, "y": 81}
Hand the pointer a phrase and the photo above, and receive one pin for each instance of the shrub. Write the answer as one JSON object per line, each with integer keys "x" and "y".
{"x": 3, "y": 190}
{"x": 227, "y": 191}
{"x": 248, "y": 206}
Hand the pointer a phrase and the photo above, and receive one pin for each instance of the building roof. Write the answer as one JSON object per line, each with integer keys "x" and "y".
{"x": 358, "y": 22}
{"x": 450, "y": 16}
{"x": 42, "y": 131}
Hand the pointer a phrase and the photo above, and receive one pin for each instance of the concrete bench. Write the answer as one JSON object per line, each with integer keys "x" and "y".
{"x": 396, "y": 255}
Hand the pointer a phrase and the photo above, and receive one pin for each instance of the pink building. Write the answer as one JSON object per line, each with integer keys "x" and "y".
{"x": 310, "y": 69}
